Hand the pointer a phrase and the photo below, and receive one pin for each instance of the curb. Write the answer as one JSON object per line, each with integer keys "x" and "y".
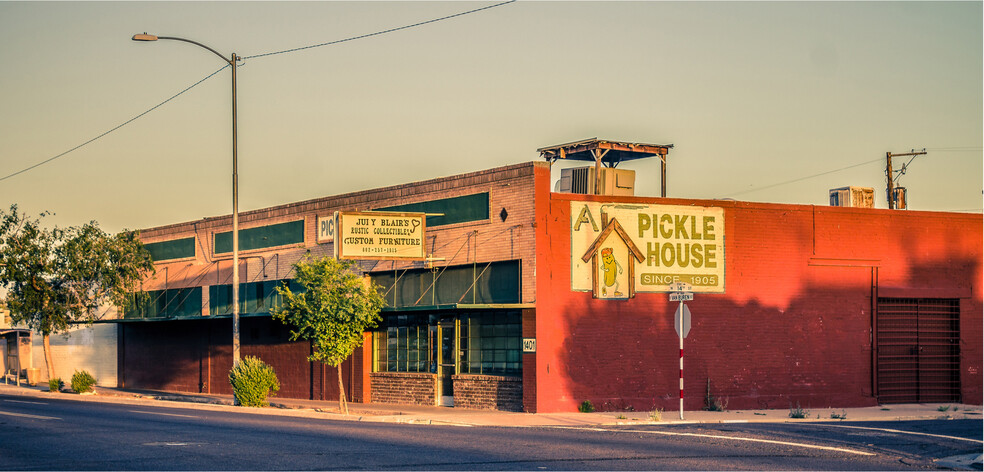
{"x": 400, "y": 417}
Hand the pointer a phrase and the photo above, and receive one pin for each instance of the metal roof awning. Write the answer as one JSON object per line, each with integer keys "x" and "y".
{"x": 182, "y": 318}
{"x": 387, "y": 310}
{"x": 608, "y": 152}
{"x": 461, "y": 306}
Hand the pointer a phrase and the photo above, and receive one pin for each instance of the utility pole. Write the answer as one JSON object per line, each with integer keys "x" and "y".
{"x": 890, "y": 173}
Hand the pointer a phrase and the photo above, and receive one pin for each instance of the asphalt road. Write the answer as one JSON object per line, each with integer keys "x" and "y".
{"x": 66, "y": 434}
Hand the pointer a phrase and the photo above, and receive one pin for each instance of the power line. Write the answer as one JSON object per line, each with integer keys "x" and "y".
{"x": 369, "y": 35}
{"x": 957, "y": 149}
{"x": 802, "y": 178}
{"x": 377, "y": 33}
{"x": 131, "y": 120}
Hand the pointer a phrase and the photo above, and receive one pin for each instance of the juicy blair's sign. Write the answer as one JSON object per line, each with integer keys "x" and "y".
{"x": 380, "y": 235}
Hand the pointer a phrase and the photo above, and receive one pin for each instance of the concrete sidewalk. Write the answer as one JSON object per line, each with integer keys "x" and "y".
{"x": 417, "y": 414}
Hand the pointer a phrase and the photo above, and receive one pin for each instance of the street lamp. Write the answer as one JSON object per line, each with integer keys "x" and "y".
{"x": 235, "y": 190}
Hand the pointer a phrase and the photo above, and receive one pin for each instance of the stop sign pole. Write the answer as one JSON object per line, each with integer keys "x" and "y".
{"x": 680, "y": 331}
{"x": 681, "y": 292}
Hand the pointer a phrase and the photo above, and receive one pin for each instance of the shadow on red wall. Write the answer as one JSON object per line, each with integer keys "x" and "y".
{"x": 816, "y": 351}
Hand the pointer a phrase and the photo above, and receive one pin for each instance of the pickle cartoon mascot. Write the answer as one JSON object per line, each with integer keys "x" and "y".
{"x": 610, "y": 269}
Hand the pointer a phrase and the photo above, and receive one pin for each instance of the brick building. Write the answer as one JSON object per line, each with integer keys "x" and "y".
{"x": 538, "y": 300}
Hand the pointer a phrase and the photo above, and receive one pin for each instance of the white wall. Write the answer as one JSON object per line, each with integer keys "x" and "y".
{"x": 92, "y": 349}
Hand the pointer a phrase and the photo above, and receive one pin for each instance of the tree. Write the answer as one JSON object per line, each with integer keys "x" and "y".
{"x": 59, "y": 277}
{"x": 336, "y": 307}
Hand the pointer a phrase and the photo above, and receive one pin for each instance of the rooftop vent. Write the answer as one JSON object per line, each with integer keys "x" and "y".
{"x": 857, "y": 197}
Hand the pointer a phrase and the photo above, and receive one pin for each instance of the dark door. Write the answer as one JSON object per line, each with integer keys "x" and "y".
{"x": 918, "y": 350}
{"x": 447, "y": 363}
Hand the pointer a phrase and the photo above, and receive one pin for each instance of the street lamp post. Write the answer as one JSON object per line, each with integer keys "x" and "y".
{"x": 235, "y": 189}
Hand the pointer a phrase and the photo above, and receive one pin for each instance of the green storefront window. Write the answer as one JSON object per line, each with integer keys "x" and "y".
{"x": 262, "y": 237}
{"x": 454, "y": 210}
{"x": 174, "y": 249}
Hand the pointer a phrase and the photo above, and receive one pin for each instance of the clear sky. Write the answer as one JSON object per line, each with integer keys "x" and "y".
{"x": 750, "y": 94}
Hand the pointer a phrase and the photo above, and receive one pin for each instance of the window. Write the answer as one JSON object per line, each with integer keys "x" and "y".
{"x": 262, "y": 237}
{"x": 403, "y": 344}
{"x": 170, "y": 303}
{"x": 496, "y": 282}
{"x": 453, "y": 210}
{"x": 491, "y": 343}
{"x": 175, "y": 249}
{"x": 254, "y": 297}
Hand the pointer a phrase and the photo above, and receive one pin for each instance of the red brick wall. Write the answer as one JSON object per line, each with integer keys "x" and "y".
{"x": 488, "y": 392}
{"x": 795, "y": 322}
{"x": 405, "y": 388}
{"x": 529, "y": 363}
{"x": 196, "y": 356}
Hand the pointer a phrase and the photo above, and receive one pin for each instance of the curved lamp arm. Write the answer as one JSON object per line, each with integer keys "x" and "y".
{"x": 151, "y": 37}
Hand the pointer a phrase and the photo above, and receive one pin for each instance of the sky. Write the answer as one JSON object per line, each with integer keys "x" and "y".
{"x": 762, "y": 101}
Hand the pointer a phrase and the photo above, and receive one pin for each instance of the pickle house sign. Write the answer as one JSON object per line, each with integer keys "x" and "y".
{"x": 619, "y": 249}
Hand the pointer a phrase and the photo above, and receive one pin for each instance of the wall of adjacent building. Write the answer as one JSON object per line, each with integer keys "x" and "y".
{"x": 92, "y": 349}
{"x": 793, "y": 327}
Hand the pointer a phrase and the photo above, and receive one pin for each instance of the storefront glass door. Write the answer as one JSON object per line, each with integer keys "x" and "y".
{"x": 447, "y": 363}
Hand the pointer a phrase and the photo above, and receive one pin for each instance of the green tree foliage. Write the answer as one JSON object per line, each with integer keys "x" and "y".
{"x": 336, "y": 307}
{"x": 58, "y": 277}
{"x": 252, "y": 381}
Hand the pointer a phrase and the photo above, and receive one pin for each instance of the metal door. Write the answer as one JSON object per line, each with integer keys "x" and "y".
{"x": 918, "y": 341}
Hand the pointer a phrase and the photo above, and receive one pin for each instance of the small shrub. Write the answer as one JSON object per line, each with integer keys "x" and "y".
{"x": 252, "y": 381}
{"x": 621, "y": 417}
{"x": 835, "y": 416}
{"x": 712, "y": 403}
{"x": 798, "y": 412}
{"x": 586, "y": 407}
{"x": 943, "y": 408}
{"x": 82, "y": 381}
{"x": 55, "y": 384}
{"x": 717, "y": 403}
{"x": 656, "y": 415}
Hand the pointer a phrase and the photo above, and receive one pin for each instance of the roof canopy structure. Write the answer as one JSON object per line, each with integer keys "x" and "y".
{"x": 608, "y": 153}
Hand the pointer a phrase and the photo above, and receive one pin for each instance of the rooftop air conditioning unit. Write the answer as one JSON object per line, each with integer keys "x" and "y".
{"x": 582, "y": 180}
{"x": 857, "y": 197}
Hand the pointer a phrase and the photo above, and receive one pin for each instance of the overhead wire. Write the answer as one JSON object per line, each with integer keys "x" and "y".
{"x": 285, "y": 51}
{"x": 377, "y": 33}
{"x": 956, "y": 149}
{"x": 131, "y": 120}
{"x": 756, "y": 189}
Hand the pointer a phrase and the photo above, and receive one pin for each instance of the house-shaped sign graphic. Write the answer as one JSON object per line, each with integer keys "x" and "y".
{"x": 613, "y": 262}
